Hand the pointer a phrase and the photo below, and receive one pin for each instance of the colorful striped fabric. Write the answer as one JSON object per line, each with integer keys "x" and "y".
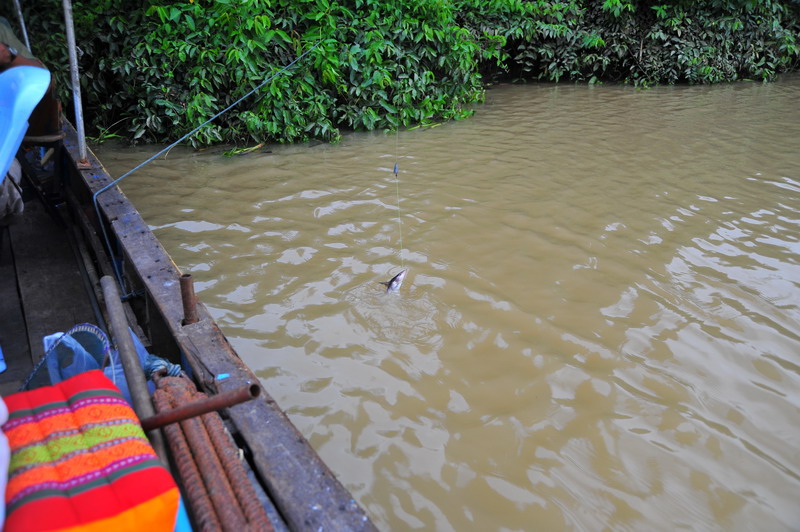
{"x": 80, "y": 460}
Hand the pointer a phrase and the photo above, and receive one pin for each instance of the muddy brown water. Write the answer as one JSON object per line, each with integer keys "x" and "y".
{"x": 598, "y": 330}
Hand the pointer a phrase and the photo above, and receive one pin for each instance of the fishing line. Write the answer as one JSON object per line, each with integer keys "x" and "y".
{"x": 399, "y": 218}
{"x": 397, "y": 190}
{"x": 397, "y": 170}
{"x": 114, "y": 264}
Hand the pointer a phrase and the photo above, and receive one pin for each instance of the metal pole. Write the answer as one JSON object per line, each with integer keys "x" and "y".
{"x": 76, "y": 86}
{"x": 199, "y": 407}
{"x": 189, "y": 299}
{"x": 134, "y": 374}
{"x": 22, "y": 25}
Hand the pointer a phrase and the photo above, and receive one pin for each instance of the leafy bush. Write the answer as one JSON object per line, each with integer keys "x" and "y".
{"x": 160, "y": 68}
{"x": 163, "y": 68}
{"x": 641, "y": 42}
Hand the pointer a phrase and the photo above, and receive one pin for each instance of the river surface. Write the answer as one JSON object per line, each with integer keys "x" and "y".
{"x": 600, "y": 325}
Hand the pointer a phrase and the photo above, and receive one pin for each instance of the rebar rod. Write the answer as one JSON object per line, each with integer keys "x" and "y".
{"x": 229, "y": 456}
{"x": 216, "y": 481}
{"x": 200, "y": 503}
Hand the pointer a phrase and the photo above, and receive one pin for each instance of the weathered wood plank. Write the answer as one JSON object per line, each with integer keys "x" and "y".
{"x": 13, "y": 336}
{"x": 50, "y": 284}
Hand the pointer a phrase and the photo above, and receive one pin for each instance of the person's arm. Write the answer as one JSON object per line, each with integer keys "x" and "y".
{"x": 10, "y": 58}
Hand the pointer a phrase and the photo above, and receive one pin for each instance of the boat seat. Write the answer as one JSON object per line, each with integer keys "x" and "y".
{"x": 80, "y": 461}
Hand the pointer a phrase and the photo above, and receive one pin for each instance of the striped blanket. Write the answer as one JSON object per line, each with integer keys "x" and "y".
{"x": 79, "y": 460}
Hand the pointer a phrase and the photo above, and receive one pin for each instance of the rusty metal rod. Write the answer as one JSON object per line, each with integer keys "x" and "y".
{"x": 189, "y": 299}
{"x": 228, "y": 453}
{"x": 216, "y": 481}
{"x": 200, "y": 503}
{"x": 134, "y": 374}
{"x": 202, "y": 406}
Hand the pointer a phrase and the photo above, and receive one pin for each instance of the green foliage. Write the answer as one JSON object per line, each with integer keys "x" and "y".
{"x": 165, "y": 67}
{"x": 157, "y": 69}
{"x": 641, "y": 42}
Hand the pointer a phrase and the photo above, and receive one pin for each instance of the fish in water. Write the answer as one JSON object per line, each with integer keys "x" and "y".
{"x": 394, "y": 284}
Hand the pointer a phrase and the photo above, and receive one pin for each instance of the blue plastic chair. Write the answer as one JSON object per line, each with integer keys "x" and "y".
{"x": 21, "y": 89}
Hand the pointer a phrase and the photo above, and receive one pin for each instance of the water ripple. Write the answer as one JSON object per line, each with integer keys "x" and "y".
{"x": 599, "y": 324}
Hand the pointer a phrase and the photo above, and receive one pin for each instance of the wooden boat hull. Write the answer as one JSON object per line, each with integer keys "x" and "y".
{"x": 303, "y": 489}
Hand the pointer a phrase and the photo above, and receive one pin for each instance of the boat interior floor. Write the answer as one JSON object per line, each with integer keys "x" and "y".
{"x": 41, "y": 289}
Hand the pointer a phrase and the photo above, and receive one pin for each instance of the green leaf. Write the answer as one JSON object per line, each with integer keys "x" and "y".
{"x": 389, "y": 107}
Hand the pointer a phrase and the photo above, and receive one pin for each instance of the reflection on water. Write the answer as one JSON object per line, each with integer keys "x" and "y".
{"x": 599, "y": 327}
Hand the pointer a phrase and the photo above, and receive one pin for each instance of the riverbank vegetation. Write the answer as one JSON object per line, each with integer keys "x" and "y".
{"x": 158, "y": 69}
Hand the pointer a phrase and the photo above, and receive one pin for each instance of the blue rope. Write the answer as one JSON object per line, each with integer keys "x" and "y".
{"x": 117, "y": 271}
{"x": 154, "y": 364}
